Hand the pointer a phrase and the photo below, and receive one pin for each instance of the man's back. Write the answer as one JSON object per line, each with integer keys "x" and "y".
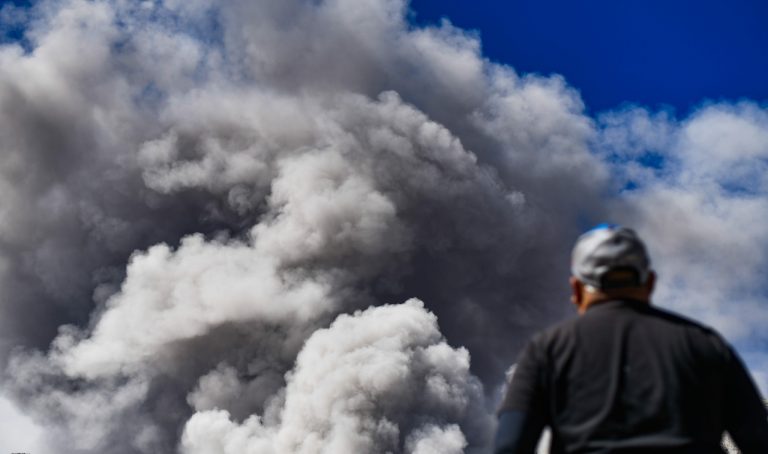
{"x": 627, "y": 377}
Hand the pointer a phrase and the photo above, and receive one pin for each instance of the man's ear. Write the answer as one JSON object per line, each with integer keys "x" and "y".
{"x": 577, "y": 291}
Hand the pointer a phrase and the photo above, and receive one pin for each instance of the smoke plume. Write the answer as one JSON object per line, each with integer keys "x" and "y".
{"x": 215, "y": 218}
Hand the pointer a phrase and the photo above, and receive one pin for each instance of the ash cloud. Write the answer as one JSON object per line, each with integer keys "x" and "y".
{"x": 211, "y": 213}
{"x": 369, "y": 381}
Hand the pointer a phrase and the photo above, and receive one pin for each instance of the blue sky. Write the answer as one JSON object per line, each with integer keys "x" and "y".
{"x": 650, "y": 52}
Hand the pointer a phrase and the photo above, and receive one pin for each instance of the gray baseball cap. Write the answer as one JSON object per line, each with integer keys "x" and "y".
{"x": 610, "y": 256}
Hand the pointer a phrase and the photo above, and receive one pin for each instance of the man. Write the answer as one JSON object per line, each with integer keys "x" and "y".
{"x": 624, "y": 376}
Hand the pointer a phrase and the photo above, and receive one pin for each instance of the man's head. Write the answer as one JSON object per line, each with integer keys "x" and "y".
{"x": 610, "y": 262}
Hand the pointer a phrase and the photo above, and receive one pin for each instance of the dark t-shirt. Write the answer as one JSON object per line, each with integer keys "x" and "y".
{"x": 629, "y": 377}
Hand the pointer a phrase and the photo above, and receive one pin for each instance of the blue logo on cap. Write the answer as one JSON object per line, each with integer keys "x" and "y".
{"x": 603, "y": 226}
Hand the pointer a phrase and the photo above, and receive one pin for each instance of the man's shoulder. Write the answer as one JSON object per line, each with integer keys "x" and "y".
{"x": 680, "y": 321}
{"x": 693, "y": 329}
{"x": 557, "y": 331}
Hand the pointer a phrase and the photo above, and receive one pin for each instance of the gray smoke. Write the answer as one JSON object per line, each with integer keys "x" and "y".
{"x": 364, "y": 384}
{"x": 211, "y": 213}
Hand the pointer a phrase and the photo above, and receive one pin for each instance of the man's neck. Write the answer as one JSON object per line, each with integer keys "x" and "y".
{"x": 594, "y": 297}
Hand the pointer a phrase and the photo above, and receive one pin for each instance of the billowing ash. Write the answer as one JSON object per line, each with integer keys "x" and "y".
{"x": 365, "y": 384}
{"x": 216, "y": 219}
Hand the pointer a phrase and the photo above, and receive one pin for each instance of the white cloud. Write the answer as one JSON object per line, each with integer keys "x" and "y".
{"x": 702, "y": 214}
